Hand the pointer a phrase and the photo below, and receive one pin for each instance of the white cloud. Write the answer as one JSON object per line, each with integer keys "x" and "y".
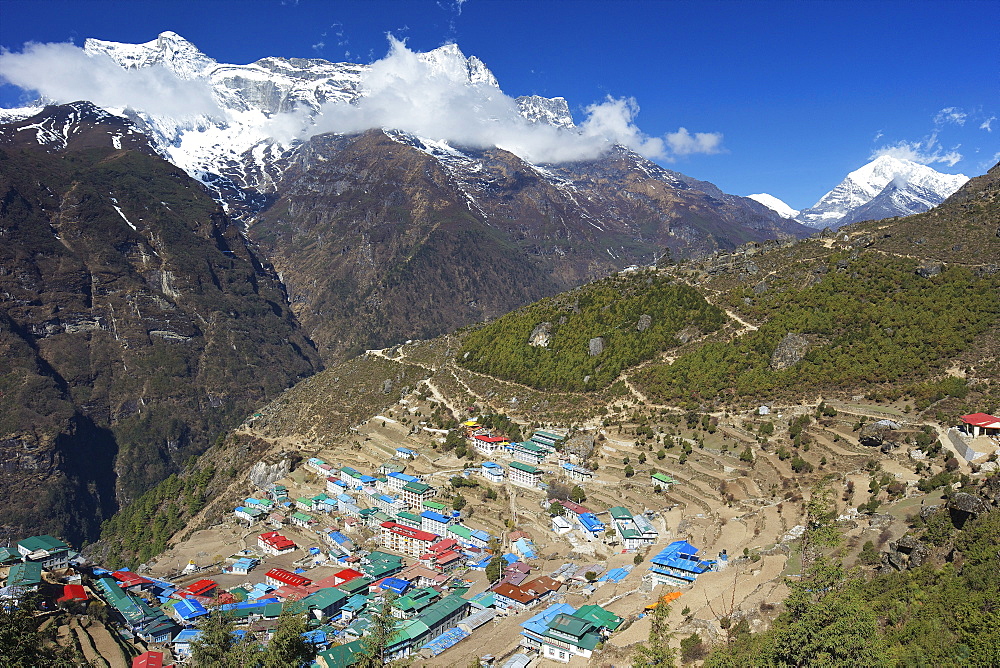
{"x": 987, "y": 124}
{"x": 402, "y": 91}
{"x": 926, "y": 151}
{"x": 950, "y": 115}
{"x": 683, "y": 142}
{"x": 435, "y": 101}
{"x": 65, "y": 73}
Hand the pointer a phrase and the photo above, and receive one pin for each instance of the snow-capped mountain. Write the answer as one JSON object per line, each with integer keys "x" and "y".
{"x": 775, "y": 204}
{"x": 235, "y": 152}
{"x": 885, "y": 187}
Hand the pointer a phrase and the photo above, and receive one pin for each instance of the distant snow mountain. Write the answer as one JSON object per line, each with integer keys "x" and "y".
{"x": 883, "y": 188}
{"x": 775, "y": 204}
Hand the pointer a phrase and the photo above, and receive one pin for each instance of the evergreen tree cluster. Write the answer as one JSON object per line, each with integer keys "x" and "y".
{"x": 871, "y": 319}
{"x": 636, "y": 315}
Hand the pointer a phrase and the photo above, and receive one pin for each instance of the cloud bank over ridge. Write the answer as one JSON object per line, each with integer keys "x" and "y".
{"x": 431, "y": 98}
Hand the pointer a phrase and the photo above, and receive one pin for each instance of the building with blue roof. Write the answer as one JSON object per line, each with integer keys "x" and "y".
{"x": 678, "y": 564}
{"x": 577, "y": 473}
{"x": 243, "y": 566}
{"x": 397, "y": 481}
{"x": 479, "y": 538}
{"x": 189, "y": 610}
{"x": 524, "y": 548}
{"x": 493, "y": 472}
{"x": 435, "y": 523}
{"x": 406, "y": 453}
{"x": 182, "y": 643}
{"x": 395, "y": 584}
{"x": 590, "y": 526}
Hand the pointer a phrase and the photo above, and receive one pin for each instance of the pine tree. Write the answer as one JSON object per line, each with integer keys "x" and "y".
{"x": 287, "y": 647}
{"x": 380, "y": 633}
{"x": 494, "y": 569}
{"x": 656, "y": 653}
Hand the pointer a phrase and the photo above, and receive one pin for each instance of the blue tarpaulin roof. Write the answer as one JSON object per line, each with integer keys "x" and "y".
{"x": 615, "y": 574}
{"x": 539, "y": 623}
{"x": 395, "y": 584}
{"x": 681, "y": 555}
{"x": 189, "y": 609}
{"x": 510, "y": 557}
{"x": 447, "y": 639}
{"x": 590, "y": 522}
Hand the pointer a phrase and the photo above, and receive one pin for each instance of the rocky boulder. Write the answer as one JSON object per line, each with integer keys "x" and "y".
{"x": 792, "y": 348}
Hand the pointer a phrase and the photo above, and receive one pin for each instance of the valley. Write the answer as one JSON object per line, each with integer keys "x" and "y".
{"x": 370, "y": 396}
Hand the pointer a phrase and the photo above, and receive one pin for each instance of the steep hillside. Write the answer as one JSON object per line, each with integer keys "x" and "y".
{"x": 382, "y": 237}
{"x": 137, "y": 324}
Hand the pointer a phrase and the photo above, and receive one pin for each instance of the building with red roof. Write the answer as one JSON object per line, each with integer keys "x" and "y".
{"x": 291, "y": 593}
{"x": 508, "y": 596}
{"x": 274, "y": 543}
{"x": 407, "y": 540}
{"x": 444, "y": 545}
{"x": 149, "y": 660}
{"x": 981, "y": 424}
{"x": 277, "y": 577}
{"x": 201, "y": 587}
{"x": 128, "y": 579}
{"x": 72, "y": 593}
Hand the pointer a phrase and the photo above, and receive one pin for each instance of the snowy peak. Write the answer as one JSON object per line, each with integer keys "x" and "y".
{"x": 78, "y": 125}
{"x": 775, "y": 204}
{"x": 547, "y": 110}
{"x": 168, "y": 49}
{"x": 450, "y": 60}
{"x": 909, "y": 188}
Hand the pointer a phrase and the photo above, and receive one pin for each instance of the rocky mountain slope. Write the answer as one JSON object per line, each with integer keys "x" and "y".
{"x": 137, "y": 324}
{"x": 385, "y": 235}
{"x": 883, "y": 188}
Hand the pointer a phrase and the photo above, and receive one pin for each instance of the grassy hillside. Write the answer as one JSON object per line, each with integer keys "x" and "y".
{"x": 548, "y": 345}
{"x": 870, "y": 319}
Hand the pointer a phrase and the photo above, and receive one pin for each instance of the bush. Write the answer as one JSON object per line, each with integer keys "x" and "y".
{"x": 692, "y": 648}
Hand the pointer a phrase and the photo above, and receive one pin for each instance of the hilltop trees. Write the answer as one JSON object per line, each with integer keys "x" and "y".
{"x": 590, "y": 335}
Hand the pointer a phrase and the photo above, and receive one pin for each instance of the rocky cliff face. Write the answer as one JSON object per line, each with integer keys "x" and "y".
{"x": 136, "y": 323}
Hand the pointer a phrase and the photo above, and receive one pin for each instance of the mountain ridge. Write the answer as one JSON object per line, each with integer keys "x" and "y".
{"x": 902, "y": 187}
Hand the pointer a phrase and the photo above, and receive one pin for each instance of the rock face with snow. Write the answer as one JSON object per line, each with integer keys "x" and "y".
{"x": 883, "y": 188}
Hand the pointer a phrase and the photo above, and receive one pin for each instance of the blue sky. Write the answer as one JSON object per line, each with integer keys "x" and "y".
{"x": 801, "y": 92}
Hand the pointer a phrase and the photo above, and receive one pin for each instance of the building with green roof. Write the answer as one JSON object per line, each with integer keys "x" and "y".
{"x": 8, "y": 556}
{"x": 436, "y": 507}
{"x": 524, "y": 475}
{"x": 409, "y": 519}
{"x": 25, "y": 575}
{"x": 342, "y": 656}
{"x": 323, "y": 603}
{"x": 662, "y": 480}
{"x": 411, "y": 605}
{"x": 51, "y": 552}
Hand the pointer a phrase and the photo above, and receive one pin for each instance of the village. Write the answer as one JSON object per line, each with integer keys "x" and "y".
{"x": 501, "y": 561}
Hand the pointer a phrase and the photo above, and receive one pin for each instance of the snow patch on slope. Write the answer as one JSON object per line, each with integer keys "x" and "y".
{"x": 775, "y": 204}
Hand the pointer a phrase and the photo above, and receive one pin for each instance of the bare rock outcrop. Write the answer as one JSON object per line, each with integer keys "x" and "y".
{"x": 792, "y": 348}
{"x": 541, "y": 335}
